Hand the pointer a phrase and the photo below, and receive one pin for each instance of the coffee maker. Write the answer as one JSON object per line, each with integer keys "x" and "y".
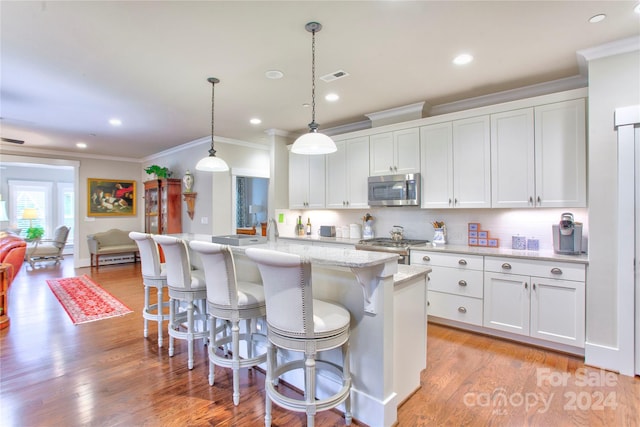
{"x": 567, "y": 235}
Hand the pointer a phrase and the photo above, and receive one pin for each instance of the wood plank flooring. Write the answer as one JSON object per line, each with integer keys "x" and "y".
{"x": 105, "y": 373}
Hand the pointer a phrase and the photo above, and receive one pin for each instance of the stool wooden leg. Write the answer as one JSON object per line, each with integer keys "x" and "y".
{"x": 145, "y": 310}
{"x": 235, "y": 340}
{"x": 346, "y": 377}
{"x": 172, "y": 321}
{"x": 160, "y": 315}
{"x": 310, "y": 388}
{"x": 212, "y": 348}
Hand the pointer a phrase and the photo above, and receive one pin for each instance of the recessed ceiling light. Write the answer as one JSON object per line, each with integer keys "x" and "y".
{"x": 81, "y": 145}
{"x": 597, "y": 18}
{"x": 462, "y": 59}
{"x": 332, "y": 97}
{"x": 115, "y": 122}
{"x": 255, "y": 121}
{"x": 306, "y": 105}
{"x": 274, "y": 74}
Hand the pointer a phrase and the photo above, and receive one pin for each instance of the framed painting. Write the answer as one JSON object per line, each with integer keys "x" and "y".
{"x": 111, "y": 197}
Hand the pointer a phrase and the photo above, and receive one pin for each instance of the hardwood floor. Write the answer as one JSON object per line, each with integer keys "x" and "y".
{"x": 105, "y": 373}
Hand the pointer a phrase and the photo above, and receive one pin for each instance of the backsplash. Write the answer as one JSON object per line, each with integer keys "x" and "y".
{"x": 501, "y": 223}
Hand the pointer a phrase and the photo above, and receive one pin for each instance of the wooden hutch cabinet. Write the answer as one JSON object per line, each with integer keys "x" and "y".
{"x": 162, "y": 206}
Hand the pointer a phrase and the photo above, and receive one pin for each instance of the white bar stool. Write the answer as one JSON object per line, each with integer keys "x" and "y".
{"x": 298, "y": 322}
{"x": 187, "y": 286}
{"x": 153, "y": 276}
{"x": 232, "y": 301}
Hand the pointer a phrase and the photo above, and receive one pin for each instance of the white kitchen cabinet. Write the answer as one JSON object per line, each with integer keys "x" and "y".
{"x": 512, "y": 159}
{"x": 540, "y": 299}
{"x": 538, "y": 156}
{"x": 561, "y": 154}
{"x": 395, "y": 152}
{"x": 455, "y": 288}
{"x": 306, "y": 181}
{"x": 456, "y": 164}
{"x": 346, "y": 175}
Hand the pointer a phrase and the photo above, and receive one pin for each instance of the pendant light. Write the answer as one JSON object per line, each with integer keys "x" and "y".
{"x": 313, "y": 142}
{"x": 211, "y": 163}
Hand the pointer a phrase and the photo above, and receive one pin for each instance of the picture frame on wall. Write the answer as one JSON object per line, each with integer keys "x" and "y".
{"x": 111, "y": 197}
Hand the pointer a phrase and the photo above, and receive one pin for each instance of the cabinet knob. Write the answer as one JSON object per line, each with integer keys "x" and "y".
{"x": 428, "y": 303}
{"x": 556, "y": 270}
{"x": 534, "y": 286}
{"x": 462, "y": 309}
{"x": 531, "y": 200}
{"x": 526, "y": 285}
{"x": 539, "y": 200}
{"x": 462, "y": 262}
{"x": 449, "y": 202}
{"x": 455, "y": 201}
{"x": 506, "y": 266}
{"x": 426, "y": 258}
{"x": 391, "y": 168}
{"x": 462, "y": 283}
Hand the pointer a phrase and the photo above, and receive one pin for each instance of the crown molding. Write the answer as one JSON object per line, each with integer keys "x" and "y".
{"x": 617, "y": 47}
{"x": 205, "y": 140}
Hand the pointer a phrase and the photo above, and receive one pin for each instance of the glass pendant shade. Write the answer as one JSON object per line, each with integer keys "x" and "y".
{"x": 313, "y": 143}
{"x": 212, "y": 164}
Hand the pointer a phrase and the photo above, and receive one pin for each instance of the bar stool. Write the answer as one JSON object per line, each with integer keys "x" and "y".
{"x": 185, "y": 286}
{"x": 233, "y": 301}
{"x": 153, "y": 276}
{"x": 298, "y": 322}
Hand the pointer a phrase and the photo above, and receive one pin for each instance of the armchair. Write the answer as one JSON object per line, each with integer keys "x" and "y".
{"x": 48, "y": 249}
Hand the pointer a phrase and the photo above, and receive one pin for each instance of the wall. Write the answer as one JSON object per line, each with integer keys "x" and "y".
{"x": 213, "y": 213}
{"x": 613, "y": 83}
{"x": 104, "y": 167}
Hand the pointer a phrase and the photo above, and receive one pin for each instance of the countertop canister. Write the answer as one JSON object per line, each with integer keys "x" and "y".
{"x": 519, "y": 242}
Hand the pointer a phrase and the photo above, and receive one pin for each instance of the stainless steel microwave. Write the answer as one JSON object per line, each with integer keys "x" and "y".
{"x": 394, "y": 190}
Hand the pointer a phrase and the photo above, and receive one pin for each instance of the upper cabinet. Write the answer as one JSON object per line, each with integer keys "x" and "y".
{"x": 455, "y": 164}
{"x": 306, "y": 181}
{"x": 538, "y": 156}
{"x": 395, "y": 152}
{"x": 561, "y": 154}
{"x": 347, "y": 173}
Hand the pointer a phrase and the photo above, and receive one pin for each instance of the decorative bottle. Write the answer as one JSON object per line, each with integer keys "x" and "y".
{"x": 308, "y": 226}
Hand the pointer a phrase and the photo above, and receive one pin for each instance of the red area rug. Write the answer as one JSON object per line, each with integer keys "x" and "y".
{"x": 85, "y": 301}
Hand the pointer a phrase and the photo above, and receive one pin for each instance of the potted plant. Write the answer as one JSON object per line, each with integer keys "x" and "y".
{"x": 34, "y": 233}
{"x": 159, "y": 171}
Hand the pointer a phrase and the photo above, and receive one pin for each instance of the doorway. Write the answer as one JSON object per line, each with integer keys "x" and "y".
{"x": 251, "y": 202}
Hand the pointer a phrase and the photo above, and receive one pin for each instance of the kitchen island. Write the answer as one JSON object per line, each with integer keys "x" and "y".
{"x": 387, "y": 303}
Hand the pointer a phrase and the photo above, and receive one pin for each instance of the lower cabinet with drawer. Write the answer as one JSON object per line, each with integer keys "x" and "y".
{"x": 538, "y": 299}
{"x": 455, "y": 285}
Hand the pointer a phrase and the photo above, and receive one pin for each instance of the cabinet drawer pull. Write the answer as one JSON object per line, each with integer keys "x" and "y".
{"x": 462, "y": 283}
{"x": 462, "y": 262}
{"x": 556, "y": 270}
{"x": 426, "y": 258}
{"x": 462, "y": 309}
{"x": 506, "y": 266}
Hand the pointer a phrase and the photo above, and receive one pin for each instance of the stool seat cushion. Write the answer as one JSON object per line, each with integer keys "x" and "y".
{"x": 329, "y": 319}
{"x": 250, "y": 295}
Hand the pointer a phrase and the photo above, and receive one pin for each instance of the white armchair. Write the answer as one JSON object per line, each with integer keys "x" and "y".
{"x": 48, "y": 249}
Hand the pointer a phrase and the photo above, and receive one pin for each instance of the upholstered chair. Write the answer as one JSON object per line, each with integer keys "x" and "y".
{"x": 44, "y": 250}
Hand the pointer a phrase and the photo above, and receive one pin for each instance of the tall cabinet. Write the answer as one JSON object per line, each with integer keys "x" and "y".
{"x": 162, "y": 206}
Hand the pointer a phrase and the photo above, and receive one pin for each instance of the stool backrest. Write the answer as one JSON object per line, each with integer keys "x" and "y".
{"x": 287, "y": 289}
{"x": 149, "y": 255}
{"x": 177, "y": 264}
{"x": 219, "y": 272}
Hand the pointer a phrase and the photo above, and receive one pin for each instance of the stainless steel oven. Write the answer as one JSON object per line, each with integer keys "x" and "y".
{"x": 400, "y": 247}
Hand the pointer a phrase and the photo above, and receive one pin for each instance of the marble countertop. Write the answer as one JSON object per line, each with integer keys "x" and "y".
{"x": 548, "y": 255}
{"x": 409, "y": 272}
{"x": 334, "y": 240}
{"x": 320, "y": 255}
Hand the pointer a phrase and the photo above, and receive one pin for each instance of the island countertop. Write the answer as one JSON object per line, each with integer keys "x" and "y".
{"x": 320, "y": 255}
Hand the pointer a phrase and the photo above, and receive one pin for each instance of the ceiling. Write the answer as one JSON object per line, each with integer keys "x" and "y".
{"x": 68, "y": 67}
